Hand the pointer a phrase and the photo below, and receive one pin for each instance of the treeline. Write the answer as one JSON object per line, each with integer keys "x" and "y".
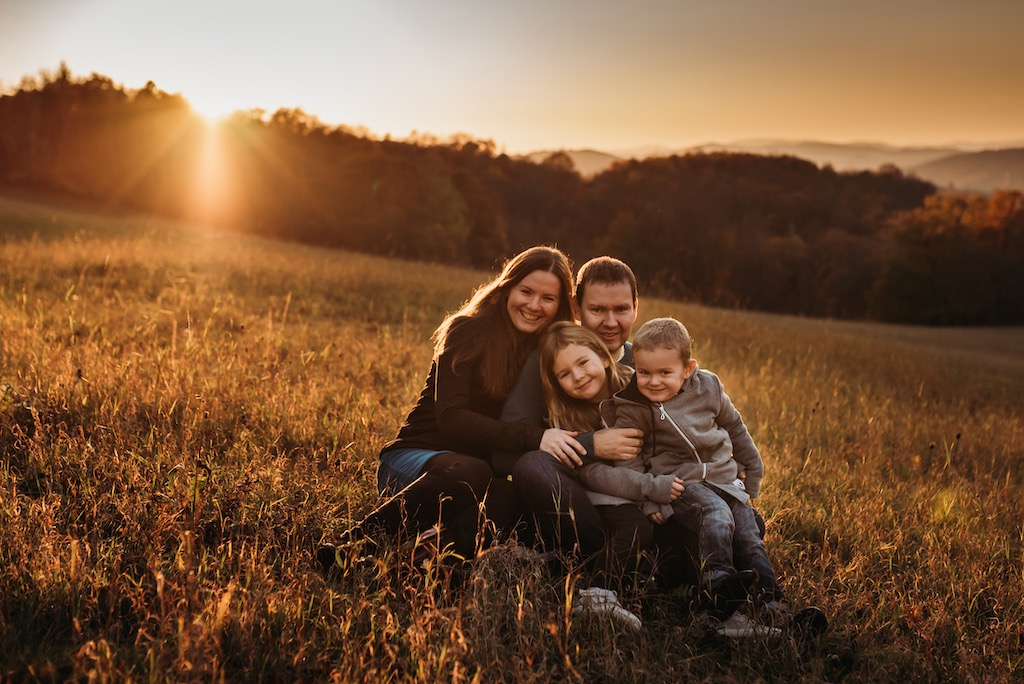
{"x": 769, "y": 233}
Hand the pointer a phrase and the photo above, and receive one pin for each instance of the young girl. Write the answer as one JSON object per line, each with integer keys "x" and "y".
{"x": 437, "y": 468}
{"x": 578, "y": 373}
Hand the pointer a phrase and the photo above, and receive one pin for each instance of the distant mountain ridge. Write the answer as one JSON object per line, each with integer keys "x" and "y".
{"x": 840, "y": 156}
{"x": 587, "y": 162}
{"x": 963, "y": 167}
{"x": 979, "y": 171}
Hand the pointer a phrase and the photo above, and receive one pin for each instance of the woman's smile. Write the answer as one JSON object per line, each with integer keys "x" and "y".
{"x": 533, "y": 301}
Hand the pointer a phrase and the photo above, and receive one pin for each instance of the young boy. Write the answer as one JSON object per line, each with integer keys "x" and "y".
{"x": 698, "y": 463}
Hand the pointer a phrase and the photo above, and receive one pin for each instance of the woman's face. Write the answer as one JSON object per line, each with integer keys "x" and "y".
{"x": 580, "y": 372}
{"x": 533, "y": 301}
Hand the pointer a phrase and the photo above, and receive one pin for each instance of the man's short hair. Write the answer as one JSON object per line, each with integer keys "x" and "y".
{"x": 607, "y": 271}
{"x": 664, "y": 333}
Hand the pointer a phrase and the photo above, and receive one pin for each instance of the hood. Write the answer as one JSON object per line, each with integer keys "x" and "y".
{"x": 632, "y": 393}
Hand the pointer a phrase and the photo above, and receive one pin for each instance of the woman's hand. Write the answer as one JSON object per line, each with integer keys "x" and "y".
{"x": 677, "y": 489}
{"x": 562, "y": 445}
{"x": 657, "y": 518}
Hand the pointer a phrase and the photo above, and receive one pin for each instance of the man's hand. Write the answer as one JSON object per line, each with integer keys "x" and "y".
{"x": 618, "y": 444}
{"x": 562, "y": 445}
{"x": 657, "y": 518}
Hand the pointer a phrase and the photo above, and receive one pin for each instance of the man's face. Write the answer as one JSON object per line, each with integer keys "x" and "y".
{"x": 608, "y": 309}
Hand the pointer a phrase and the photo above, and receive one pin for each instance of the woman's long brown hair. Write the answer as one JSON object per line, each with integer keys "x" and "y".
{"x": 498, "y": 347}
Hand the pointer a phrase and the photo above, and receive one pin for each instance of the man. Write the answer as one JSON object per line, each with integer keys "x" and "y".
{"x": 606, "y": 303}
{"x": 601, "y": 527}
{"x": 611, "y": 533}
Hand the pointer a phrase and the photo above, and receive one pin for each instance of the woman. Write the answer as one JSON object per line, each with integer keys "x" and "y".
{"x": 437, "y": 468}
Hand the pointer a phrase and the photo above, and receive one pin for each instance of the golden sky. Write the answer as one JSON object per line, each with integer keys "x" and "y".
{"x": 542, "y": 74}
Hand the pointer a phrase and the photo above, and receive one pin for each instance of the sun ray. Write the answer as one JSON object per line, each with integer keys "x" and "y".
{"x": 261, "y": 145}
{"x": 212, "y": 199}
{"x": 159, "y": 152}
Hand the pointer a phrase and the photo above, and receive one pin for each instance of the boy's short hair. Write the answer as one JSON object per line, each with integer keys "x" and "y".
{"x": 607, "y": 271}
{"x": 664, "y": 333}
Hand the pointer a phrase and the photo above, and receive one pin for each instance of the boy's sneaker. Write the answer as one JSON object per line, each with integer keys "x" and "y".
{"x": 598, "y": 600}
{"x": 739, "y": 626}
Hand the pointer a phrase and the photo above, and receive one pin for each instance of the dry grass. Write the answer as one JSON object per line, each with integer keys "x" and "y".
{"x": 184, "y": 416}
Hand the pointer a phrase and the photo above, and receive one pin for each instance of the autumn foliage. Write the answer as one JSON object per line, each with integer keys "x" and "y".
{"x": 768, "y": 233}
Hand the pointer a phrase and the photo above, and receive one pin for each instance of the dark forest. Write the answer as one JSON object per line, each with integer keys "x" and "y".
{"x": 773, "y": 234}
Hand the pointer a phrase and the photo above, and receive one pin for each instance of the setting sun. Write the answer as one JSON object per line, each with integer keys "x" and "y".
{"x": 213, "y": 107}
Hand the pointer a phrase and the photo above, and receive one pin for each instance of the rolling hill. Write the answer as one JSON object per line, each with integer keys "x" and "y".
{"x": 977, "y": 171}
{"x": 956, "y": 167}
{"x": 842, "y": 157}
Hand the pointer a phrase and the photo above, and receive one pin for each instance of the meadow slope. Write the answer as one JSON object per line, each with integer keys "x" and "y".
{"x": 185, "y": 415}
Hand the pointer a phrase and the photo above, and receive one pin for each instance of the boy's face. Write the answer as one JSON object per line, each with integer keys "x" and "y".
{"x": 660, "y": 373}
{"x": 608, "y": 309}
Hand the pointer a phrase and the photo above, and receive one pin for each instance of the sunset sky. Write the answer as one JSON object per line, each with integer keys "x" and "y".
{"x": 543, "y": 74}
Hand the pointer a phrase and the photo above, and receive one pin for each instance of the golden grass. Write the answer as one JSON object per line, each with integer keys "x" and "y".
{"x": 184, "y": 415}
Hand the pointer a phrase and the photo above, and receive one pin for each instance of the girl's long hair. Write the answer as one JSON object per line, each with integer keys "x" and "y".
{"x": 497, "y": 346}
{"x": 568, "y": 412}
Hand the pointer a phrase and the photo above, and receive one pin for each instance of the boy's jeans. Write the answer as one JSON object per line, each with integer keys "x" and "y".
{"x": 728, "y": 538}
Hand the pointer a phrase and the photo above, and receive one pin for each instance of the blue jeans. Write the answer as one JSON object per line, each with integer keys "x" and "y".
{"x": 399, "y": 468}
{"x": 728, "y": 537}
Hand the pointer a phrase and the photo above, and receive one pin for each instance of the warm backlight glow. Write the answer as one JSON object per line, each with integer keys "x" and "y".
{"x": 540, "y": 76}
{"x": 212, "y": 107}
{"x": 211, "y": 190}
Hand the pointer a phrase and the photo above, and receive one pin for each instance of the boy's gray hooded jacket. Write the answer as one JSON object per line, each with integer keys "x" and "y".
{"x": 697, "y": 436}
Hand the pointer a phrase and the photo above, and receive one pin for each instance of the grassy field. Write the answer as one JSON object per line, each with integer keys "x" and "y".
{"x": 185, "y": 415}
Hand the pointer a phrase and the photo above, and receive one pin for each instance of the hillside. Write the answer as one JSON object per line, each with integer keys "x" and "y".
{"x": 769, "y": 233}
{"x": 976, "y": 171}
{"x": 185, "y": 414}
{"x": 841, "y": 157}
{"x": 947, "y": 167}
{"x": 586, "y": 162}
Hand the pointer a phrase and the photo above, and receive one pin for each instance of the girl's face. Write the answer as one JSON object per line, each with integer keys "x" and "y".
{"x": 581, "y": 373}
{"x": 533, "y": 301}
